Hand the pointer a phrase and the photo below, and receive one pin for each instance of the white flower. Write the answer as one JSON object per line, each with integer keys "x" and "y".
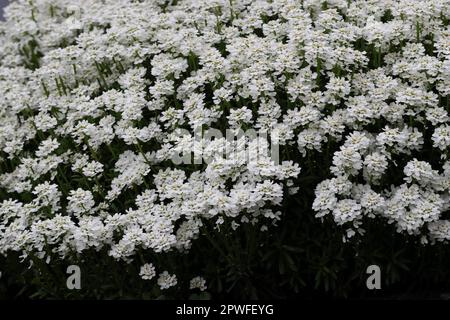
{"x": 80, "y": 201}
{"x": 92, "y": 169}
{"x": 346, "y": 210}
{"x": 239, "y": 116}
{"x": 47, "y": 147}
{"x": 439, "y": 230}
{"x": 198, "y": 283}
{"x": 420, "y": 171}
{"x": 147, "y": 271}
{"x": 375, "y": 165}
{"x": 441, "y": 137}
{"x": 165, "y": 280}
{"x": 47, "y": 195}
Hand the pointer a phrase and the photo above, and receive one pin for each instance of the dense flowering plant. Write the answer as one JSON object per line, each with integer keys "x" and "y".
{"x": 100, "y": 100}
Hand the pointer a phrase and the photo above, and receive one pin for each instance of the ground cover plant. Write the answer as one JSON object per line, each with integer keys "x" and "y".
{"x": 225, "y": 148}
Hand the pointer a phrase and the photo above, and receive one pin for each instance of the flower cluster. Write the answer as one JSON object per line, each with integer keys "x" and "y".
{"x": 94, "y": 97}
{"x": 165, "y": 280}
{"x": 147, "y": 271}
{"x": 198, "y": 283}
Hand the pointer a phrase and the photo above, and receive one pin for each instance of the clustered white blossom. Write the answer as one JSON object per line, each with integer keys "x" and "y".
{"x": 198, "y": 283}
{"x": 91, "y": 101}
{"x": 165, "y": 280}
{"x": 147, "y": 271}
